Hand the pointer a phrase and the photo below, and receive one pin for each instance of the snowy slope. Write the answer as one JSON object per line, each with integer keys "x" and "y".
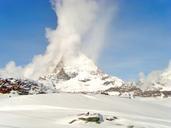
{"x": 57, "y": 110}
{"x": 79, "y": 74}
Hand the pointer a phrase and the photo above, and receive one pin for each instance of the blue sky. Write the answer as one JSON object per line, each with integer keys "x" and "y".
{"x": 139, "y": 39}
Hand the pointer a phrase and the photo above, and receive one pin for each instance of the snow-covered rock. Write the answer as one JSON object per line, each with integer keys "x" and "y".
{"x": 88, "y": 118}
{"x": 13, "y": 87}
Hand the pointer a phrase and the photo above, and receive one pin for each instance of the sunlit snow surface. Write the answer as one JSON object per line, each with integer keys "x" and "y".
{"x": 57, "y": 110}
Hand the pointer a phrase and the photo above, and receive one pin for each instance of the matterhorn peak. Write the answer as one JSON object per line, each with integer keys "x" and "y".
{"x": 77, "y": 63}
{"x": 79, "y": 74}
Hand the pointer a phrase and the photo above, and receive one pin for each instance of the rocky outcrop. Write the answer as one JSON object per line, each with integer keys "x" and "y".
{"x": 22, "y": 87}
{"x": 61, "y": 75}
{"x": 136, "y": 91}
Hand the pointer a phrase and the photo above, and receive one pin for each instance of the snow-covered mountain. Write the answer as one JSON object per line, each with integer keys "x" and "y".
{"x": 79, "y": 74}
{"x": 156, "y": 81}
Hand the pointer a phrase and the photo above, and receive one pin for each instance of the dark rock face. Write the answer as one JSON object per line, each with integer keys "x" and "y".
{"x": 151, "y": 93}
{"x": 125, "y": 88}
{"x": 166, "y": 93}
{"x": 58, "y": 67}
{"x": 85, "y": 80}
{"x": 109, "y": 82}
{"x": 22, "y": 87}
{"x": 62, "y": 75}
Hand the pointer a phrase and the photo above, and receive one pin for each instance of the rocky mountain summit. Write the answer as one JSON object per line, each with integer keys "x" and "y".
{"x": 79, "y": 74}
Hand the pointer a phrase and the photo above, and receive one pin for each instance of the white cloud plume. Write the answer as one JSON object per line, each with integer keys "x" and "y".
{"x": 11, "y": 70}
{"x": 82, "y": 25}
{"x": 162, "y": 77}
